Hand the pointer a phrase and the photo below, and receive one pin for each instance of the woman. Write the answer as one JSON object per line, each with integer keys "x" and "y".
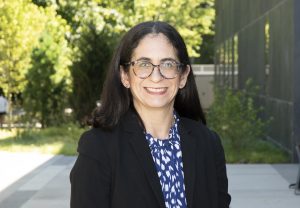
{"x": 149, "y": 146}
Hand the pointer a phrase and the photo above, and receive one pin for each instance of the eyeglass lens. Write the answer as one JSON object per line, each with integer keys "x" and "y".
{"x": 167, "y": 69}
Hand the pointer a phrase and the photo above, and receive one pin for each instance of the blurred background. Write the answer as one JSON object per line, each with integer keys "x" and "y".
{"x": 245, "y": 57}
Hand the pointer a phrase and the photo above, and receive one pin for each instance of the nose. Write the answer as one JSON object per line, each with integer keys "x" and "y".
{"x": 156, "y": 76}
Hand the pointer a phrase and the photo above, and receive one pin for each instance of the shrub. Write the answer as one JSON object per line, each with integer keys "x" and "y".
{"x": 235, "y": 117}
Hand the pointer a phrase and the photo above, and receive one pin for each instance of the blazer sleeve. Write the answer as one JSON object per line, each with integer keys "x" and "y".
{"x": 223, "y": 196}
{"x": 91, "y": 175}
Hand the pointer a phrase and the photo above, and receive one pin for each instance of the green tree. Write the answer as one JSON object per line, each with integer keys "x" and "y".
{"x": 46, "y": 95}
{"x": 97, "y": 31}
{"x": 21, "y": 24}
{"x": 192, "y": 18}
{"x": 95, "y": 27}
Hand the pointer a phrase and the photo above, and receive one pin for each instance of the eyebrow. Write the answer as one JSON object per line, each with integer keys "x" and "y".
{"x": 148, "y": 59}
{"x": 143, "y": 59}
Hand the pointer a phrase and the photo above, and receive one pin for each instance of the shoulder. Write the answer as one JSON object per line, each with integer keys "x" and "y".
{"x": 200, "y": 131}
{"x": 95, "y": 139}
{"x": 94, "y": 142}
{"x": 206, "y": 139}
{"x": 193, "y": 126}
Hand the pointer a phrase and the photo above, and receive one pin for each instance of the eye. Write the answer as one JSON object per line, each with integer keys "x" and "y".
{"x": 168, "y": 64}
{"x": 144, "y": 64}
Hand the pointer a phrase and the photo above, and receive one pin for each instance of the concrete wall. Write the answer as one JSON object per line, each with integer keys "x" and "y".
{"x": 204, "y": 77}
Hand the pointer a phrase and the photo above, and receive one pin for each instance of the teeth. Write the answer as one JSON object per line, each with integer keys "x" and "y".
{"x": 155, "y": 89}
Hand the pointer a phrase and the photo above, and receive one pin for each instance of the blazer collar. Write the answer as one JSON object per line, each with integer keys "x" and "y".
{"x": 141, "y": 148}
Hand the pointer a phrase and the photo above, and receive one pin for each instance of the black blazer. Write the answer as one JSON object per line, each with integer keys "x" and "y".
{"x": 115, "y": 169}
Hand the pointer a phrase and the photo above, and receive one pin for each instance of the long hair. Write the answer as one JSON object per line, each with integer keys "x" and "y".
{"x": 116, "y": 100}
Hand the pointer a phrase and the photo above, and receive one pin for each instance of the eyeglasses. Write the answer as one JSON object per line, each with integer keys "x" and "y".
{"x": 168, "y": 69}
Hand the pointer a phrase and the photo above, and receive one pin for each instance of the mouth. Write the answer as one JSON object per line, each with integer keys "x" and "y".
{"x": 156, "y": 90}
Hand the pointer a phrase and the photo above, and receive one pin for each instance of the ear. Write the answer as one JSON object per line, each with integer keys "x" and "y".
{"x": 124, "y": 77}
{"x": 184, "y": 76}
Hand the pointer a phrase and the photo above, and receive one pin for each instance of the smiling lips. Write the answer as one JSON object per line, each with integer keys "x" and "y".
{"x": 156, "y": 91}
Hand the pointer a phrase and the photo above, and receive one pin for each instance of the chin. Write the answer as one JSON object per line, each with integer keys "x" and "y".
{"x": 159, "y": 104}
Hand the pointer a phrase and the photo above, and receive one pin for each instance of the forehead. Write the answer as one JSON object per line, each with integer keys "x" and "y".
{"x": 154, "y": 47}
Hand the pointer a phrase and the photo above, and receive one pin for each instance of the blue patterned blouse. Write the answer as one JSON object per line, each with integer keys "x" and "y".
{"x": 167, "y": 156}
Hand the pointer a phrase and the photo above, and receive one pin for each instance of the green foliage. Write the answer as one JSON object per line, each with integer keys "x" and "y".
{"x": 207, "y": 50}
{"x": 235, "y": 117}
{"x": 46, "y": 95}
{"x": 256, "y": 151}
{"x": 21, "y": 24}
{"x": 95, "y": 28}
{"x": 192, "y": 18}
{"x": 97, "y": 31}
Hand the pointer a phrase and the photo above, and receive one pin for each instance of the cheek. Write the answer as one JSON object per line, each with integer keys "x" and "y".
{"x": 136, "y": 86}
{"x": 174, "y": 88}
{"x": 177, "y": 83}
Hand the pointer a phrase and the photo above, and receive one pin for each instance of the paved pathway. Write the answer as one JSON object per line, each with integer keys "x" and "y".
{"x": 30, "y": 180}
{"x": 263, "y": 186}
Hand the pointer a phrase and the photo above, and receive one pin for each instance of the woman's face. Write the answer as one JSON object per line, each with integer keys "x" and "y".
{"x": 154, "y": 91}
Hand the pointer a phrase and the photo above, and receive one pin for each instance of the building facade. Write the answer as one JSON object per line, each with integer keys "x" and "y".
{"x": 260, "y": 40}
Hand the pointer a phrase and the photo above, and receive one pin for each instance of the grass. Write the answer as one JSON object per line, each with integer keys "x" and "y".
{"x": 64, "y": 139}
{"x": 52, "y": 140}
{"x": 258, "y": 151}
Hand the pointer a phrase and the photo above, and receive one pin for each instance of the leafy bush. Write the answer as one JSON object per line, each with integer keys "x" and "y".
{"x": 235, "y": 117}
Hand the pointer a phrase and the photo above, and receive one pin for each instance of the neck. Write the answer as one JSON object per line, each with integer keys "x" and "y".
{"x": 157, "y": 121}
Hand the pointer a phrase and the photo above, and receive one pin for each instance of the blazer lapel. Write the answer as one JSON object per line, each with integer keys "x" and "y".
{"x": 140, "y": 147}
{"x": 188, "y": 148}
